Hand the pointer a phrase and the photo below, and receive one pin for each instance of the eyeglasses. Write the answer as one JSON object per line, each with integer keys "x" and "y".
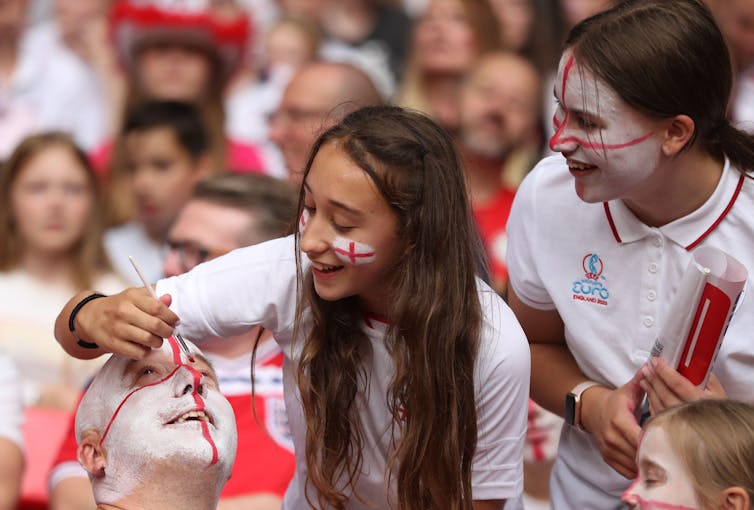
{"x": 191, "y": 255}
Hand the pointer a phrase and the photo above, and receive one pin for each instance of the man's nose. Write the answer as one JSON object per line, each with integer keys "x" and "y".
{"x": 189, "y": 380}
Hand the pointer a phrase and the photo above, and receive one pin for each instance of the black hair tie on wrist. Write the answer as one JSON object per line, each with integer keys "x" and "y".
{"x": 72, "y": 317}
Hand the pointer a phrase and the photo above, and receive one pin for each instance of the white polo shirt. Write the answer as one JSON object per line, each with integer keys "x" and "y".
{"x": 257, "y": 285}
{"x": 612, "y": 278}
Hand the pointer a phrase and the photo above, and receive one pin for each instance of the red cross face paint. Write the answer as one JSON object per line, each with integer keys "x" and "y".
{"x": 663, "y": 483}
{"x": 612, "y": 149}
{"x": 160, "y": 416}
{"x": 542, "y": 435}
{"x": 352, "y": 252}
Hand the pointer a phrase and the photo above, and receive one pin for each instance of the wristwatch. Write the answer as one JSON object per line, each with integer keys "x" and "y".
{"x": 573, "y": 403}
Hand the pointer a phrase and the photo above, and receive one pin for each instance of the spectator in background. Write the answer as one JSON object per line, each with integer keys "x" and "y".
{"x": 50, "y": 244}
{"x": 736, "y": 20}
{"x": 11, "y": 437}
{"x": 317, "y": 97}
{"x": 287, "y": 45}
{"x": 225, "y": 212}
{"x": 447, "y": 39}
{"x": 500, "y": 140}
{"x": 38, "y": 91}
{"x": 187, "y": 51}
{"x": 167, "y": 151}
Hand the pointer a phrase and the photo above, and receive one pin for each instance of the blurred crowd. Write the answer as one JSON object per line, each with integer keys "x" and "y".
{"x": 120, "y": 119}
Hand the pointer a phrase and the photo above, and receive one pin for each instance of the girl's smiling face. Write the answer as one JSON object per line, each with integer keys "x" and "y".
{"x": 664, "y": 482}
{"x": 612, "y": 149}
{"x": 348, "y": 231}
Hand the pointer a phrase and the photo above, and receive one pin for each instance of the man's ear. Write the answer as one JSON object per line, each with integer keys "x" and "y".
{"x": 677, "y": 134}
{"x": 91, "y": 454}
{"x": 735, "y": 498}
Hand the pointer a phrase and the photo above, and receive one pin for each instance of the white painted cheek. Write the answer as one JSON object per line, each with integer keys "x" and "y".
{"x": 224, "y": 434}
{"x": 352, "y": 252}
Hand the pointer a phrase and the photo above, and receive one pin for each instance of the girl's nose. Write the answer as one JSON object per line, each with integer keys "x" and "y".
{"x": 314, "y": 236}
{"x": 560, "y": 140}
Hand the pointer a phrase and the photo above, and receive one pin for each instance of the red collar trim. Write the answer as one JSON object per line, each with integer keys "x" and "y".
{"x": 368, "y": 318}
{"x": 611, "y": 222}
{"x": 701, "y": 238}
{"x": 724, "y": 213}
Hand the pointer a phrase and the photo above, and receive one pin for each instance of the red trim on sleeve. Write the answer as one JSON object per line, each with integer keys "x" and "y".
{"x": 720, "y": 219}
{"x": 611, "y": 222}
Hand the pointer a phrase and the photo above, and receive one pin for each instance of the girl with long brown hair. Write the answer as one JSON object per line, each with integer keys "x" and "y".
{"x": 407, "y": 376}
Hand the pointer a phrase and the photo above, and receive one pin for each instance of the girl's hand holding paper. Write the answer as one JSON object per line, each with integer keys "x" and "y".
{"x": 666, "y": 388}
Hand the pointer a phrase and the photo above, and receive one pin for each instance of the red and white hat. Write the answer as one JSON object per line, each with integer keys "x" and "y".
{"x": 138, "y": 22}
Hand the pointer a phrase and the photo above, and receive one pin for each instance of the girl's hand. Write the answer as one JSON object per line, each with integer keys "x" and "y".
{"x": 609, "y": 415}
{"x": 129, "y": 323}
{"x": 666, "y": 388}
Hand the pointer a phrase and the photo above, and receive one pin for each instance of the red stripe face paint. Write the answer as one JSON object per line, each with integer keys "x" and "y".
{"x": 612, "y": 149}
{"x": 162, "y": 412}
{"x": 664, "y": 481}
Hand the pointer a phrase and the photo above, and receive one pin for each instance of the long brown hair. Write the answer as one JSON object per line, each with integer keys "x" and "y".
{"x": 88, "y": 255}
{"x": 667, "y": 58}
{"x": 435, "y": 323}
{"x": 715, "y": 441}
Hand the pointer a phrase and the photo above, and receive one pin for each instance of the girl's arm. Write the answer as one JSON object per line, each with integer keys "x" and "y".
{"x": 605, "y": 413}
{"x": 128, "y": 323}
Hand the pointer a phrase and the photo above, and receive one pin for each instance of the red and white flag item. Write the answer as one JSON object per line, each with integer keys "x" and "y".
{"x": 700, "y": 313}
{"x": 352, "y": 252}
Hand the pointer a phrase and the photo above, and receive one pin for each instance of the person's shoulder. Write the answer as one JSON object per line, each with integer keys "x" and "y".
{"x": 498, "y": 320}
{"x": 551, "y": 170}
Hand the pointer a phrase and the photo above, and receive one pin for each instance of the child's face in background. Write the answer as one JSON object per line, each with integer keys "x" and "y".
{"x": 173, "y": 71}
{"x": 162, "y": 176}
{"x": 664, "y": 482}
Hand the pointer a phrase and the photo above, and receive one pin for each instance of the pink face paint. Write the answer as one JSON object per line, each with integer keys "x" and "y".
{"x": 610, "y": 147}
{"x": 542, "y": 434}
{"x": 352, "y": 252}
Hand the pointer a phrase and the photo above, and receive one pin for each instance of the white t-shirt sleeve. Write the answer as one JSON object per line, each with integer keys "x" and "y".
{"x": 523, "y": 254}
{"x": 502, "y": 395}
{"x": 229, "y": 295}
{"x": 11, "y": 402}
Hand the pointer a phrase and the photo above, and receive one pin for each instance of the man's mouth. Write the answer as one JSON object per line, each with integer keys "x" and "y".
{"x": 192, "y": 416}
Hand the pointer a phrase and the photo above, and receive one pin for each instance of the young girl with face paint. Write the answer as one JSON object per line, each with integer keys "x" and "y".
{"x": 696, "y": 456}
{"x": 600, "y": 235}
{"x": 406, "y": 377}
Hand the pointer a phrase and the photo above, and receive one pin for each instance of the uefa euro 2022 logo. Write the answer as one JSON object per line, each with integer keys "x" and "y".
{"x": 591, "y": 287}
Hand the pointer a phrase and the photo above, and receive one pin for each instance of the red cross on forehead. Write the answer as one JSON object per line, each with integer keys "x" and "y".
{"x": 560, "y": 126}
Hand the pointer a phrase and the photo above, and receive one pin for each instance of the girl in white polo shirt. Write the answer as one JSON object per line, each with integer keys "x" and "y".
{"x": 406, "y": 377}
{"x": 599, "y": 236}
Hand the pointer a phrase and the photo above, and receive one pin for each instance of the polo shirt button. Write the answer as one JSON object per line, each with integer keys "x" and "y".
{"x": 657, "y": 242}
{"x": 653, "y": 267}
{"x": 648, "y": 321}
{"x": 651, "y": 295}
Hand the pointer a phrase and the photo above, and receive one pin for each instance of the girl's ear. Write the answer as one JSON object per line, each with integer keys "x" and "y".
{"x": 735, "y": 498}
{"x": 91, "y": 454}
{"x": 677, "y": 134}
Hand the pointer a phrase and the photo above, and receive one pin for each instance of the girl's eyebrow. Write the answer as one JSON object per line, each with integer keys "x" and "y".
{"x": 338, "y": 204}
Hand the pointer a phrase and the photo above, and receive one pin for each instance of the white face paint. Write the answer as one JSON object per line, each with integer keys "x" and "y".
{"x": 159, "y": 415}
{"x": 664, "y": 482}
{"x": 613, "y": 150}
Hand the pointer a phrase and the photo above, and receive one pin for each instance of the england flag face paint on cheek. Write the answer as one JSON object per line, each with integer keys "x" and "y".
{"x": 303, "y": 221}
{"x": 352, "y": 252}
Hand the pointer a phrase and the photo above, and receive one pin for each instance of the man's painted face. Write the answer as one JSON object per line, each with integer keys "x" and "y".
{"x": 663, "y": 482}
{"x": 612, "y": 149}
{"x": 163, "y": 411}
